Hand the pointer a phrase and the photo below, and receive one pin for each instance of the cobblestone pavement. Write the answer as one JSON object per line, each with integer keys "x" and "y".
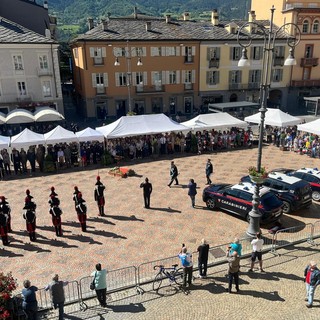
{"x": 276, "y": 294}
{"x": 129, "y": 234}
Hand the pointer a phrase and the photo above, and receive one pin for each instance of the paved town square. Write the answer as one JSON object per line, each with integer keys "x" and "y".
{"x": 129, "y": 234}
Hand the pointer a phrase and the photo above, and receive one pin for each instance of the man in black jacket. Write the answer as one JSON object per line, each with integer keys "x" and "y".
{"x": 147, "y": 190}
{"x": 173, "y": 174}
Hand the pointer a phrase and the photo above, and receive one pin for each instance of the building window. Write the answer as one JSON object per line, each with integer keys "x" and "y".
{"x": 156, "y": 78}
{"x": 254, "y": 79}
{"x": 17, "y": 61}
{"x": 156, "y": 51}
{"x": 139, "y": 78}
{"x": 172, "y": 105}
{"x": 305, "y": 26}
{"x": 75, "y": 53}
{"x": 22, "y": 88}
{"x": 139, "y": 52}
{"x": 46, "y": 89}
{"x": 189, "y": 53}
{"x": 122, "y": 79}
{"x": 235, "y": 53}
{"x": 277, "y": 75}
{"x": 43, "y": 62}
{"x": 172, "y": 77}
{"x": 309, "y": 51}
{"x": 235, "y": 76}
{"x": 256, "y": 53}
{"x": 212, "y": 77}
{"x": 97, "y": 53}
{"x": 188, "y": 104}
{"x": 170, "y": 51}
{"x": 306, "y": 74}
{"x": 315, "y": 26}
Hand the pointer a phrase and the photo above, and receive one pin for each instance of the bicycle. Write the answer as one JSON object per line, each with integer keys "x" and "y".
{"x": 172, "y": 273}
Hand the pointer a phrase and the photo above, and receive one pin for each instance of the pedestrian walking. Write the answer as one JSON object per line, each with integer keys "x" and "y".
{"x": 209, "y": 171}
{"x": 312, "y": 279}
{"x": 100, "y": 284}
{"x": 236, "y": 246}
{"x": 173, "y": 174}
{"x": 192, "y": 191}
{"x": 30, "y": 216}
{"x": 186, "y": 262}
{"x": 57, "y": 294}
{"x": 56, "y": 213}
{"x": 203, "y": 253}
{"x": 147, "y": 190}
{"x": 99, "y": 196}
{"x": 29, "y": 300}
{"x": 257, "y": 245}
{"x": 233, "y": 270}
{"x": 81, "y": 209}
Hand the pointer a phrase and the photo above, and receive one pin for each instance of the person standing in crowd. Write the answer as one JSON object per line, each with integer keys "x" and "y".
{"x": 31, "y": 155}
{"x": 15, "y": 157}
{"x": 312, "y": 279}
{"x": 4, "y": 227}
{"x": 56, "y": 213}
{"x": 186, "y": 262}
{"x": 30, "y": 216}
{"x": 40, "y": 157}
{"x": 6, "y": 210}
{"x": 209, "y": 170}
{"x": 192, "y": 191}
{"x": 6, "y": 161}
{"x": 147, "y": 190}
{"x": 23, "y": 157}
{"x": 29, "y": 301}
{"x": 57, "y": 294}
{"x": 81, "y": 209}
{"x": 173, "y": 174}
{"x": 100, "y": 284}
{"x": 257, "y": 245}
{"x": 99, "y": 196}
{"x": 233, "y": 270}
{"x": 236, "y": 246}
{"x": 203, "y": 253}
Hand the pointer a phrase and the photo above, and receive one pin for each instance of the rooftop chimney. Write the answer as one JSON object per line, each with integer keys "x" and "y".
{"x": 215, "y": 17}
{"x": 168, "y": 18}
{"x": 186, "y": 16}
{"x": 148, "y": 26}
{"x": 45, "y": 4}
{"x": 135, "y": 13}
{"x": 252, "y": 16}
{"x": 104, "y": 23}
{"x": 90, "y": 23}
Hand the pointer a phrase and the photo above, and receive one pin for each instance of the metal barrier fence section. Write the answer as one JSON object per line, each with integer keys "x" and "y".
{"x": 286, "y": 237}
{"x": 118, "y": 279}
{"x": 316, "y": 232}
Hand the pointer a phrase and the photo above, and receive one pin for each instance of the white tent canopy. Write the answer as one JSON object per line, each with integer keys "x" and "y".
{"x": 90, "y": 134}
{"x": 4, "y": 142}
{"x": 59, "y": 134}
{"x": 274, "y": 117}
{"x": 19, "y": 116}
{"x": 2, "y": 118}
{"x": 214, "y": 121}
{"x": 312, "y": 127}
{"x": 47, "y": 114}
{"x": 26, "y": 138}
{"x": 128, "y": 126}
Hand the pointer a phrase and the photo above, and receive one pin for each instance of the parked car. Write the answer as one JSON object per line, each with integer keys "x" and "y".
{"x": 294, "y": 192}
{"x": 237, "y": 199}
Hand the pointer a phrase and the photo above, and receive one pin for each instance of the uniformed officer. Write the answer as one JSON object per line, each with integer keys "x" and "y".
{"x": 30, "y": 216}
{"x": 99, "y": 196}
{"x": 28, "y": 201}
{"x": 4, "y": 227}
{"x": 81, "y": 209}
{"x": 53, "y": 192}
{"x": 5, "y": 209}
{"x": 76, "y": 196}
{"x": 56, "y": 213}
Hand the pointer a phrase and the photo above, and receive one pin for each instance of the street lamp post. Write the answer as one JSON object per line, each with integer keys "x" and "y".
{"x": 128, "y": 55}
{"x": 292, "y": 34}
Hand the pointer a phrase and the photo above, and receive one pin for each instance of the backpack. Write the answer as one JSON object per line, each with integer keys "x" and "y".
{"x": 184, "y": 260}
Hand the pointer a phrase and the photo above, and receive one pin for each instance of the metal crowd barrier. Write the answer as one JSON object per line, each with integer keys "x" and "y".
{"x": 316, "y": 232}
{"x": 287, "y": 237}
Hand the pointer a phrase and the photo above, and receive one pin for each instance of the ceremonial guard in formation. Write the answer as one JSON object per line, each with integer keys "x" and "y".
{"x": 53, "y": 193}
{"x": 81, "y": 209}
{"x": 55, "y": 212}
{"x": 30, "y": 216}
{"x": 5, "y": 209}
{"x": 99, "y": 196}
{"x": 4, "y": 217}
{"x": 75, "y": 196}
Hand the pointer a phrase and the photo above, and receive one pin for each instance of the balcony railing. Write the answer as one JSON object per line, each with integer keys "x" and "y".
{"x": 309, "y": 62}
{"x": 188, "y": 59}
{"x": 98, "y": 61}
{"x": 236, "y": 86}
{"x": 101, "y": 90}
{"x": 253, "y": 85}
{"x": 188, "y": 86}
{"x": 278, "y": 61}
{"x": 214, "y": 63}
{"x": 149, "y": 89}
{"x": 24, "y": 98}
{"x": 305, "y": 83}
{"x": 44, "y": 72}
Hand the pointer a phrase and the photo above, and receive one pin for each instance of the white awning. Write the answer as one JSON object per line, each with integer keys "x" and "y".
{"x": 90, "y": 134}
{"x": 47, "y": 114}
{"x": 19, "y": 116}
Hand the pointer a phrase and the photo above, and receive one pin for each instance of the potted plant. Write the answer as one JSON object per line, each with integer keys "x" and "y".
{"x": 257, "y": 176}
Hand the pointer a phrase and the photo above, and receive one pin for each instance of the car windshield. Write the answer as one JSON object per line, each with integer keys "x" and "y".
{"x": 270, "y": 201}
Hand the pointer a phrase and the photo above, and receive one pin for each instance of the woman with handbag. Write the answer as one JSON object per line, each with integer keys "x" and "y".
{"x": 99, "y": 283}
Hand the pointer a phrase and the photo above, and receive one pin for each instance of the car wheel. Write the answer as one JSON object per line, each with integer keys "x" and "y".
{"x": 316, "y": 195}
{"x": 248, "y": 217}
{"x": 286, "y": 207}
{"x": 211, "y": 203}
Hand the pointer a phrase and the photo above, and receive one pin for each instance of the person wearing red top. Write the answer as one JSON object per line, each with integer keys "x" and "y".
{"x": 312, "y": 279}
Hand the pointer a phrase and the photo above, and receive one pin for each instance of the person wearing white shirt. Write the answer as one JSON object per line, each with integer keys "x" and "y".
{"x": 257, "y": 245}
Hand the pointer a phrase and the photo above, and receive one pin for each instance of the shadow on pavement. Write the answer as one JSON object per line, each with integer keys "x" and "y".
{"x": 123, "y": 218}
{"x": 130, "y": 308}
{"x": 272, "y": 296}
{"x": 165, "y": 209}
{"x": 82, "y": 238}
{"x": 28, "y": 247}
{"x": 101, "y": 220}
{"x": 6, "y": 253}
{"x": 106, "y": 234}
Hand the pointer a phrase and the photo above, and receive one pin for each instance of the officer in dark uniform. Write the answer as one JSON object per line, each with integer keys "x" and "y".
{"x": 99, "y": 196}
{"x": 6, "y": 210}
{"x": 30, "y": 216}
{"x": 81, "y": 209}
{"x": 56, "y": 213}
{"x": 173, "y": 174}
{"x": 76, "y": 196}
{"x": 4, "y": 227}
{"x": 147, "y": 190}
{"x": 28, "y": 201}
{"x": 53, "y": 192}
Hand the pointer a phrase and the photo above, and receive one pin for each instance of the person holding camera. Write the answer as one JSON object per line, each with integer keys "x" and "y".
{"x": 147, "y": 190}
{"x": 186, "y": 262}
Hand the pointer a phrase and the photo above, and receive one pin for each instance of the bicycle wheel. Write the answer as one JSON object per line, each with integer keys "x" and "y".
{"x": 157, "y": 282}
{"x": 178, "y": 276}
